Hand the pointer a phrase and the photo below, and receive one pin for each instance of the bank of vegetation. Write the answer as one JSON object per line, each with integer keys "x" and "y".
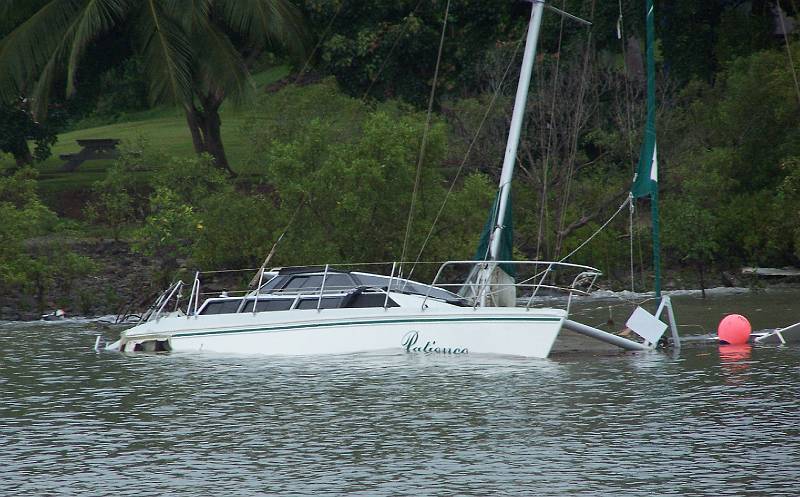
{"x": 240, "y": 124}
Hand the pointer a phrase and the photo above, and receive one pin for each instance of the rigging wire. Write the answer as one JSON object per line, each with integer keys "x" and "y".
{"x": 421, "y": 157}
{"x": 275, "y": 245}
{"x": 394, "y": 45}
{"x": 628, "y": 114}
{"x": 574, "y": 144}
{"x": 631, "y": 209}
{"x": 788, "y": 50}
{"x": 475, "y": 137}
{"x": 628, "y": 121}
{"x": 597, "y": 232}
{"x": 319, "y": 42}
{"x": 304, "y": 199}
{"x": 548, "y": 148}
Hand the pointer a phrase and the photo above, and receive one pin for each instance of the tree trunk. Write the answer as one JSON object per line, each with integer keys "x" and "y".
{"x": 204, "y": 126}
{"x": 192, "y": 119}
{"x": 213, "y": 140}
{"x": 22, "y": 154}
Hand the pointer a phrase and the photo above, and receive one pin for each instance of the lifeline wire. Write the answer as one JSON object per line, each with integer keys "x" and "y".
{"x": 418, "y": 176}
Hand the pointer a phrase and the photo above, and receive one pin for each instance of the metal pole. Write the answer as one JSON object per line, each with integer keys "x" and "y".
{"x": 258, "y": 288}
{"x": 388, "y": 288}
{"x": 322, "y": 287}
{"x": 650, "y": 130}
{"x": 516, "y": 122}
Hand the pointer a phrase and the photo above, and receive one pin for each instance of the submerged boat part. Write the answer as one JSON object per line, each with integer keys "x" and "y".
{"x": 783, "y": 336}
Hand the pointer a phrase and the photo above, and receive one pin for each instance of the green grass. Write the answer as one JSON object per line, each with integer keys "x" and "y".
{"x": 163, "y": 128}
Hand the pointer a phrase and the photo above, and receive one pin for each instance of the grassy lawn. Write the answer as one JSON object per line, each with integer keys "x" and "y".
{"x": 164, "y": 129}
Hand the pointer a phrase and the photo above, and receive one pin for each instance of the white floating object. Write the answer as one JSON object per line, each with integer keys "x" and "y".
{"x": 646, "y": 325}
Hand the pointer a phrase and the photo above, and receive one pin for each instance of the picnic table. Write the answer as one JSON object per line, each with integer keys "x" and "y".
{"x": 91, "y": 149}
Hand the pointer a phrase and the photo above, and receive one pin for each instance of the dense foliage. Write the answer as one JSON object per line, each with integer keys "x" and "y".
{"x": 32, "y": 254}
{"x": 333, "y": 150}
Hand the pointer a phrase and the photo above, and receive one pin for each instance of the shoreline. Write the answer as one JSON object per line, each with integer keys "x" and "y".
{"x": 126, "y": 282}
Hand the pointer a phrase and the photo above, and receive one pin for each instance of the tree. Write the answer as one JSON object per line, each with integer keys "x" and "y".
{"x": 195, "y": 53}
{"x": 387, "y": 48}
{"x": 17, "y": 126}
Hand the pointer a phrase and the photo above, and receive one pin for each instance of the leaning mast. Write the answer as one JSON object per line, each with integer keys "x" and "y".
{"x": 512, "y": 143}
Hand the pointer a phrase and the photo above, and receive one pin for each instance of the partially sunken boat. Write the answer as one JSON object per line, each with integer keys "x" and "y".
{"x": 319, "y": 310}
{"x": 470, "y": 306}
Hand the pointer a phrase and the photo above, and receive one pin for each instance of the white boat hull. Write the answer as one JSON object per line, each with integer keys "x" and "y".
{"x": 508, "y": 331}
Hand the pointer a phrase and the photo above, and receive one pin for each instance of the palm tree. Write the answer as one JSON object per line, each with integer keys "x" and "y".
{"x": 196, "y": 53}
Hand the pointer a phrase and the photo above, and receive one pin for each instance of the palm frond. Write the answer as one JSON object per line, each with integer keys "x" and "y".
{"x": 220, "y": 67}
{"x": 96, "y": 18}
{"x": 30, "y": 47}
{"x": 40, "y": 96}
{"x": 190, "y": 12}
{"x": 264, "y": 22}
{"x": 167, "y": 52}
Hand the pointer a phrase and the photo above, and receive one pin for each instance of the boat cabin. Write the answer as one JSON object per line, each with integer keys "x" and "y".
{"x": 302, "y": 288}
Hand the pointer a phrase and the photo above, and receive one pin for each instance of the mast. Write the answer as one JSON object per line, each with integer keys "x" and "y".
{"x": 645, "y": 183}
{"x": 651, "y": 131}
{"x": 516, "y": 125}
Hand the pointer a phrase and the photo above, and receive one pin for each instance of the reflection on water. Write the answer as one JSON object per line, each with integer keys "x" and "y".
{"x": 709, "y": 421}
{"x": 735, "y": 361}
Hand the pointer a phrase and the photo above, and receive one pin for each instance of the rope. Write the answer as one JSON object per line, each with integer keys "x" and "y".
{"x": 631, "y": 208}
{"x": 546, "y": 164}
{"x": 601, "y": 228}
{"x": 421, "y": 158}
{"x": 495, "y": 95}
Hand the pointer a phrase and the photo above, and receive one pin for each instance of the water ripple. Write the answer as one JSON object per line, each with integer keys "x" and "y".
{"x": 707, "y": 422}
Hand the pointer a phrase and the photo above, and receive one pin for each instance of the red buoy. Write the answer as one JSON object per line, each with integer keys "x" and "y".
{"x": 734, "y": 329}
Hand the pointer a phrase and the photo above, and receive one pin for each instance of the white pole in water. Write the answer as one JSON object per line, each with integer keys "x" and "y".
{"x": 516, "y": 123}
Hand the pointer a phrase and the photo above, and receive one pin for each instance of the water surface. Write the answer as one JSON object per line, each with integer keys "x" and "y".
{"x": 706, "y": 421}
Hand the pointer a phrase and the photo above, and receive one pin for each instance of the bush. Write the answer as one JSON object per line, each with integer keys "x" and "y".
{"x": 354, "y": 178}
{"x": 32, "y": 253}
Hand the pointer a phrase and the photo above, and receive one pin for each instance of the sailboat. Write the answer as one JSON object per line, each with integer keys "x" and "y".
{"x": 331, "y": 309}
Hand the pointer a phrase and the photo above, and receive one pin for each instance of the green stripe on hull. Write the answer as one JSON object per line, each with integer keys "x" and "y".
{"x": 356, "y": 323}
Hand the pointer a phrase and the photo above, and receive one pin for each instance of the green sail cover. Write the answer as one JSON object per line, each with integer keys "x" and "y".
{"x": 506, "y": 237}
{"x": 645, "y": 183}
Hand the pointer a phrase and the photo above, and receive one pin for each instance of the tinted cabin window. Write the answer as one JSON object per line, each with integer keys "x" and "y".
{"x": 327, "y": 303}
{"x": 371, "y": 300}
{"x": 334, "y": 281}
{"x": 272, "y": 284}
{"x": 337, "y": 281}
{"x": 299, "y": 282}
{"x": 222, "y": 307}
{"x": 269, "y": 305}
